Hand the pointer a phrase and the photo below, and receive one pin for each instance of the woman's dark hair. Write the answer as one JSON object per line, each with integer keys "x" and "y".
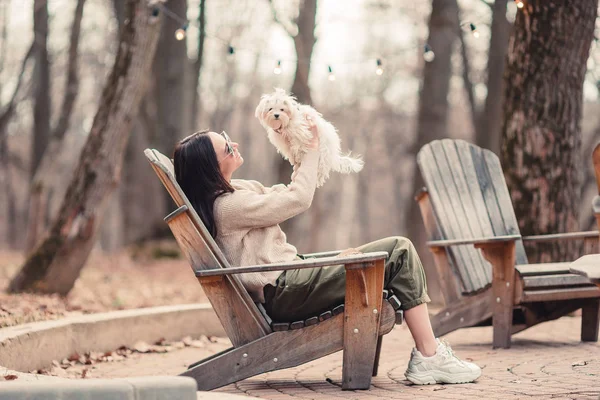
{"x": 197, "y": 172}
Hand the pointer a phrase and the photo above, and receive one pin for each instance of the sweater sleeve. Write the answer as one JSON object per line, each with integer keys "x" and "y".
{"x": 256, "y": 186}
{"x": 249, "y": 209}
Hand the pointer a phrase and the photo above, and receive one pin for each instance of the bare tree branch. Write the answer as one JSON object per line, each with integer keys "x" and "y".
{"x": 72, "y": 85}
{"x": 197, "y": 65}
{"x": 290, "y": 30}
{"x": 467, "y": 79}
{"x": 10, "y": 107}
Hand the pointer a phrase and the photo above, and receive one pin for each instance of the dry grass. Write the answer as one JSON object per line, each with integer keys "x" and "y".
{"x": 141, "y": 276}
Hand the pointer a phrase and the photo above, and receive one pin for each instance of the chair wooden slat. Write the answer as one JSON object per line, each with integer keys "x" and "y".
{"x": 464, "y": 152}
{"x": 511, "y": 226}
{"x": 462, "y": 203}
{"x": 459, "y": 256}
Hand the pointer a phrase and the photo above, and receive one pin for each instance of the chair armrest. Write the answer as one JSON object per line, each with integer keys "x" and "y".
{"x": 322, "y": 254}
{"x": 588, "y": 266}
{"x": 562, "y": 236}
{"x": 476, "y": 241}
{"x": 364, "y": 259}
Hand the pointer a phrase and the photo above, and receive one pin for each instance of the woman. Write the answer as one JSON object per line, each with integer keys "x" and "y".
{"x": 244, "y": 216}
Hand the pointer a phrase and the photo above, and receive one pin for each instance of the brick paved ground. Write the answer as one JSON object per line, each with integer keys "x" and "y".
{"x": 547, "y": 361}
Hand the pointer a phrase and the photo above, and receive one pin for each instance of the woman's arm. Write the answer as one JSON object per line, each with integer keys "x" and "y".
{"x": 256, "y": 186}
{"x": 249, "y": 209}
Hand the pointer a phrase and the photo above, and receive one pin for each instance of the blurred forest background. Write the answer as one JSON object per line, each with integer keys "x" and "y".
{"x": 391, "y": 75}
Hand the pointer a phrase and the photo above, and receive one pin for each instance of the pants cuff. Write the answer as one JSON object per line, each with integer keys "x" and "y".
{"x": 421, "y": 300}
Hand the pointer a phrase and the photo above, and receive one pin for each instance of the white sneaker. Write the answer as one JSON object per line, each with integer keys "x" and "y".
{"x": 443, "y": 367}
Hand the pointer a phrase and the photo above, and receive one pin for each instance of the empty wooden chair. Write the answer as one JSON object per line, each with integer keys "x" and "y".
{"x": 480, "y": 259}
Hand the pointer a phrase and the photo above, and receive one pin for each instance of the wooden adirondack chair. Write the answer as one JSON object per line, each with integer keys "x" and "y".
{"x": 479, "y": 254}
{"x": 262, "y": 345}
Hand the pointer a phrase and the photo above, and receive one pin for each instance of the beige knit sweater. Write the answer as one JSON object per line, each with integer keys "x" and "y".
{"x": 248, "y": 221}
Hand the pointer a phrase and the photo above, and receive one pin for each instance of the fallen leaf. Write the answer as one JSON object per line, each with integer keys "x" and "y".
{"x": 10, "y": 377}
{"x": 187, "y": 340}
{"x": 141, "y": 347}
{"x": 197, "y": 343}
{"x": 579, "y": 364}
{"x": 58, "y": 371}
{"x": 74, "y": 357}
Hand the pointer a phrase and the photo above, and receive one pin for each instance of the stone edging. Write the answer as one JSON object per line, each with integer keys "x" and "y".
{"x": 55, "y": 340}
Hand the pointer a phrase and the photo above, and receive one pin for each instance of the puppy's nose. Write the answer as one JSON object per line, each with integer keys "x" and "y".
{"x": 276, "y": 116}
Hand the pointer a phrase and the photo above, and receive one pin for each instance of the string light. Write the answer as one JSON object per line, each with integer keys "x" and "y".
{"x": 180, "y": 33}
{"x": 520, "y": 3}
{"x": 379, "y": 70}
{"x": 331, "y": 76}
{"x": 428, "y": 54}
{"x": 474, "y": 30}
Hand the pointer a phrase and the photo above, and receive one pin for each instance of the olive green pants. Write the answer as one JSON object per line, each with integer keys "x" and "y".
{"x": 304, "y": 293}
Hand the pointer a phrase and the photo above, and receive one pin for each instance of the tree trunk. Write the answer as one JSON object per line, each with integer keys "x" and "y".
{"x": 304, "y": 42}
{"x": 55, "y": 264}
{"x": 170, "y": 66}
{"x": 467, "y": 82}
{"x": 433, "y": 112}
{"x": 541, "y": 135}
{"x": 41, "y": 108}
{"x": 197, "y": 66}
{"x": 42, "y": 185}
{"x": 8, "y": 203}
{"x": 489, "y": 126}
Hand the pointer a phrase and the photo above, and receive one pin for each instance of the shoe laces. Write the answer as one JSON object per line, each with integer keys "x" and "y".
{"x": 448, "y": 352}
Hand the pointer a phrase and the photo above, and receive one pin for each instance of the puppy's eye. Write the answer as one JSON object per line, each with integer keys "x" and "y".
{"x": 282, "y": 109}
{"x": 270, "y": 109}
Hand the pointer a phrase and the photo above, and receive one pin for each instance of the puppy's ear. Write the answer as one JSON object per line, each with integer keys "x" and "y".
{"x": 260, "y": 109}
{"x": 290, "y": 104}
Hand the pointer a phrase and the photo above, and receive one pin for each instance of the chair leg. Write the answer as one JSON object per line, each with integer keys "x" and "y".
{"x": 590, "y": 320}
{"x": 377, "y": 353}
{"x": 361, "y": 324}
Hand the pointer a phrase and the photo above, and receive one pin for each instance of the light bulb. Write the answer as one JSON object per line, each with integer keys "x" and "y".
{"x": 520, "y": 3}
{"x": 428, "y": 55}
{"x": 379, "y": 69}
{"x": 277, "y": 69}
{"x": 180, "y": 34}
{"x": 474, "y": 31}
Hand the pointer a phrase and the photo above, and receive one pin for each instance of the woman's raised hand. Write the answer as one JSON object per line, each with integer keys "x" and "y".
{"x": 314, "y": 142}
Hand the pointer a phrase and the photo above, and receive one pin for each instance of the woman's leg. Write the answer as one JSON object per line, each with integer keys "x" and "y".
{"x": 405, "y": 276}
{"x": 303, "y": 293}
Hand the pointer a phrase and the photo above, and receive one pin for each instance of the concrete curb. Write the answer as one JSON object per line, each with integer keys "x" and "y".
{"x": 55, "y": 340}
{"x": 146, "y": 388}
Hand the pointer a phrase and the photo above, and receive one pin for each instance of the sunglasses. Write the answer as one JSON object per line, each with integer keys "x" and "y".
{"x": 228, "y": 145}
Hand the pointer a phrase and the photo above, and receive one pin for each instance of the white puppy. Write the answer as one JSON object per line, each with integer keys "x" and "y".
{"x": 285, "y": 121}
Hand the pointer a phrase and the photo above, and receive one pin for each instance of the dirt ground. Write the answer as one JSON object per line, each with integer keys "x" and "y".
{"x": 140, "y": 276}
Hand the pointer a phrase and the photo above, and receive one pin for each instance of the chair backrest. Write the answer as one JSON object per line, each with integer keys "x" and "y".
{"x": 470, "y": 199}
{"x": 241, "y": 318}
